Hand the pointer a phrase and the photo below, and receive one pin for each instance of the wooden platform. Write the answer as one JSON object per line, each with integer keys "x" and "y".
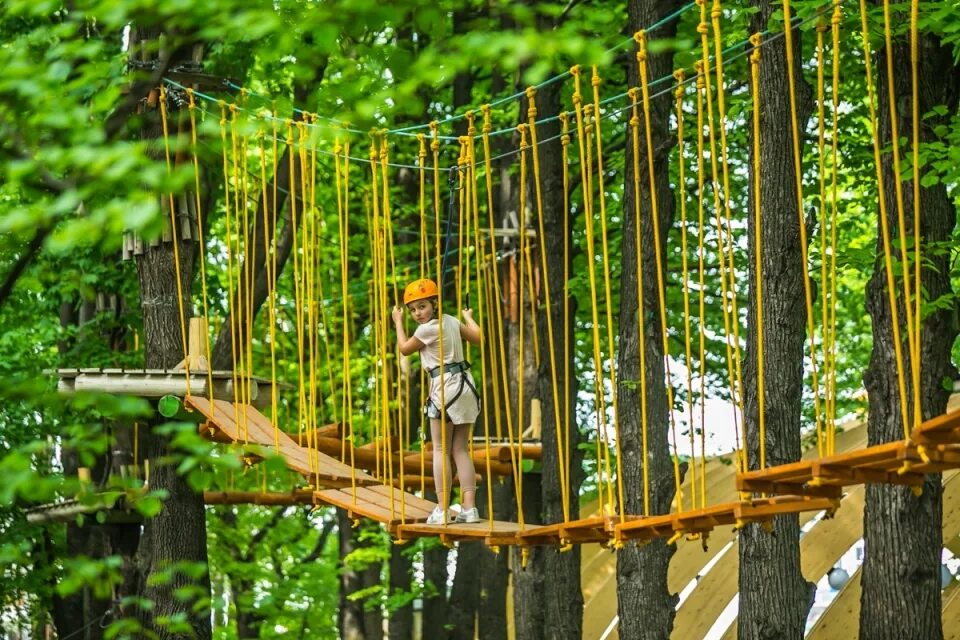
{"x": 934, "y": 447}
{"x": 382, "y": 503}
{"x": 581, "y": 531}
{"x": 244, "y": 424}
{"x": 498, "y": 533}
{"x": 703, "y": 521}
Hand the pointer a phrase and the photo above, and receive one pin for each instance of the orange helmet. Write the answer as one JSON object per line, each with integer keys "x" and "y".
{"x": 420, "y": 290}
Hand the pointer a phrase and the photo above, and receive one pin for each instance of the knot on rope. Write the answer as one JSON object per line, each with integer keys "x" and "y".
{"x": 703, "y": 28}
{"x": 679, "y": 75}
{"x": 575, "y": 71}
{"x": 922, "y": 452}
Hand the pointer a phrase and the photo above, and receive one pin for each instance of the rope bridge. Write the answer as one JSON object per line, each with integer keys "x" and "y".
{"x": 344, "y": 362}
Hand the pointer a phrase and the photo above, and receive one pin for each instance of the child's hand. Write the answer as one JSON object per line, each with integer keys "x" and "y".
{"x": 397, "y": 314}
{"x": 468, "y": 314}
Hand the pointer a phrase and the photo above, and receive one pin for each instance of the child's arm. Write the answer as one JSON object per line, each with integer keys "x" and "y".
{"x": 469, "y": 329}
{"x": 406, "y": 345}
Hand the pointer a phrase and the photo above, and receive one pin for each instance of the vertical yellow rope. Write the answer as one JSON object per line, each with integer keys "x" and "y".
{"x": 227, "y": 209}
{"x": 271, "y": 290}
{"x": 388, "y": 228}
{"x": 641, "y": 39}
{"x": 202, "y": 261}
{"x": 563, "y": 438}
{"x": 798, "y": 186}
{"x": 522, "y": 327}
{"x": 174, "y": 241}
{"x": 422, "y": 156}
{"x": 584, "y": 129}
{"x": 835, "y": 98}
{"x": 730, "y": 324}
{"x": 679, "y": 76}
{"x": 884, "y": 223}
{"x": 498, "y": 324}
{"x": 481, "y": 300}
{"x": 901, "y": 214}
{"x": 595, "y": 83}
{"x": 634, "y": 94}
{"x": 545, "y": 278}
{"x": 701, "y": 254}
{"x": 237, "y": 311}
{"x": 758, "y": 243}
{"x": 915, "y": 140}
{"x": 824, "y": 437}
{"x": 435, "y": 149}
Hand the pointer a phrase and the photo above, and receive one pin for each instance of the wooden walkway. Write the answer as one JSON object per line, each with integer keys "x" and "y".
{"x": 245, "y": 425}
{"x": 933, "y": 447}
{"x": 805, "y": 486}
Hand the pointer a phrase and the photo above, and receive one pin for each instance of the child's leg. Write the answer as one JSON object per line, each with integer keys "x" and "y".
{"x": 442, "y": 473}
{"x": 465, "y": 469}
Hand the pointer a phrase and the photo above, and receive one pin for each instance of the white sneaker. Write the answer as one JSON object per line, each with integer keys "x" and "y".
{"x": 437, "y": 516}
{"x": 468, "y": 516}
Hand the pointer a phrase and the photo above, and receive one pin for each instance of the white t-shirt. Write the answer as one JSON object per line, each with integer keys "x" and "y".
{"x": 429, "y": 334}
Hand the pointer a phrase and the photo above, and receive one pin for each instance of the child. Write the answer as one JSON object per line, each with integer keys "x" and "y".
{"x": 459, "y": 393}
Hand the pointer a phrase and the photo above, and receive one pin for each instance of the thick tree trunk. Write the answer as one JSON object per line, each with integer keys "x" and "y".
{"x": 901, "y": 595}
{"x": 350, "y": 618}
{"x": 400, "y": 624}
{"x": 494, "y": 569}
{"x": 435, "y": 606}
{"x": 645, "y": 604}
{"x": 770, "y": 561}
{"x": 529, "y": 617}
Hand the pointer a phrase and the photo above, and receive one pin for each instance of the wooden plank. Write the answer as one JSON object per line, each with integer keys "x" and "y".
{"x": 358, "y": 507}
{"x": 949, "y": 421}
{"x": 411, "y": 500}
{"x": 457, "y": 532}
{"x": 384, "y": 499}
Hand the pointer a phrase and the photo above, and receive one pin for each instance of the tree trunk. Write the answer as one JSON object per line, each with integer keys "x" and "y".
{"x": 901, "y": 595}
{"x": 400, "y": 624}
{"x": 177, "y": 535}
{"x": 494, "y": 569}
{"x": 350, "y": 622}
{"x": 645, "y": 604}
{"x": 435, "y": 606}
{"x": 529, "y": 617}
{"x": 770, "y": 562}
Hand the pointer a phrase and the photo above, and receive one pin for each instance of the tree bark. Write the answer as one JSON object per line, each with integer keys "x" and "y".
{"x": 529, "y": 619}
{"x": 645, "y": 605}
{"x": 350, "y": 618}
{"x": 494, "y": 569}
{"x": 901, "y": 596}
{"x": 770, "y": 562}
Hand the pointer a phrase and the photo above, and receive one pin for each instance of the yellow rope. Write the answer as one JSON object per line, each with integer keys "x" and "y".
{"x": 701, "y": 254}
{"x": 584, "y": 129}
{"x": 174, "y": 241}
{"x": 595, "y": 82}
{"x": 497, "y": 321}
{"x": 564, "y": 485}
{"x": 884, "y": 224}
{"x": 563, "y": 439}
{"x": 832, "y": 347}
{"x": 901, "y": 214}
{"x": 641, "y": 312}
{"x": 730, "y": 325}
{"x": 227, "y": 209}
{"x": 641, "y": 39}
{"x": 680, "y": 76}
{"x": 422, "y": 156}
{"x": 481, "y": 301}
{"x": 271, "y": 290}
{"x": 435, "y": 148}
{"x": 917, "y": 262}
{"x": 237, "y": 307}
{"x": 202, "y": 261}
{"x": 298, "y": 297}
{"x": 798, "y": 186}
{"x": 758, "y": 243}
{"x": 824, "y": 285}
{"x": 521, "y": 255}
